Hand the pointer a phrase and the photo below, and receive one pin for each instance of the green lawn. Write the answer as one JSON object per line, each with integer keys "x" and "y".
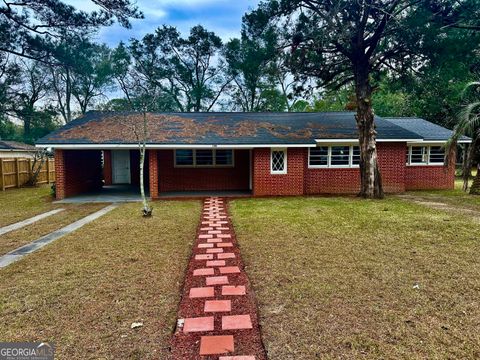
{"x": 20, "y": 204}
{"x": 348, "y": 278}
{"x": 85, "y": 290}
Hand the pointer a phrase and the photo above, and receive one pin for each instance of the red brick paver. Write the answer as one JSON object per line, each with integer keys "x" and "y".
{"x": 211, "y": 345}
{"x": 218, "y": 309}
{"x": 198, "y": 324}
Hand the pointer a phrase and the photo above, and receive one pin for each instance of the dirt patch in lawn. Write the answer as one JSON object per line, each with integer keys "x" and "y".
{"x": 27, "y": 234}
{"x": 356, "y": 279}
{"x": 442, "y": 203}
{"x": 85, "y": 290}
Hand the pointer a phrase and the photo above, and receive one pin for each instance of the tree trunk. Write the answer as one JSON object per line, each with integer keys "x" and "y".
{"x": 371, "y": 181}
{"x": 147, "y": 210}
{"x": 475, "y": 188}
{"x": 68, "y": 95}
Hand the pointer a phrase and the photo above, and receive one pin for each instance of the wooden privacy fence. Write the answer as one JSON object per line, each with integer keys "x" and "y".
{"x": 15, "y": 173}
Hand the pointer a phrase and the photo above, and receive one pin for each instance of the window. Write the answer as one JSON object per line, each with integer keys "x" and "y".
{"x": 319, "y": 156}
{"x": 335, "y": 156}
{"x": 278, "y": 161}
{"x": 356, "y": 155}
{"x": 436, "y": 155}
{"x": 425, "y": 155}
{"x": 340, "y": 156}
{"x": 203, "y": 158}
{"x": 418, "y": 155}
{"x": 184, "y": 157}
{"x": 224, "y": 157}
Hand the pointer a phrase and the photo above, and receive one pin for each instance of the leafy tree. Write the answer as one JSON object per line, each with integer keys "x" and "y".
{"x": 248, "y": 59}
{"x": 93, "y": 75}
{"x": 190, "y": 70}
{"x": 340, "y": 43}
{"x": 469, "y": 124}
{"x": 32, "y": 88}
{"x": 27, "y": 27}
{"x": 448, "y": 62}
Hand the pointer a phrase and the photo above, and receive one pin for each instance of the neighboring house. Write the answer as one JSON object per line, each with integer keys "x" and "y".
{"x": 14, "y": 149}
{"x": 265, "y": 154}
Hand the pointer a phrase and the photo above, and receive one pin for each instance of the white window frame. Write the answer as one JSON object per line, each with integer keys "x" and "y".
{"x": 285, "y": 161}
{"x": 329, "y": 165}
{"x": 214, "y": 165}
{"x": 426, "y": 163}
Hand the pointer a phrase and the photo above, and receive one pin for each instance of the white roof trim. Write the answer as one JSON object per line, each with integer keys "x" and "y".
{"x": 172, "y": 146}
{"x": 235, "y": 146}
{"x": 426, "y": 142}
{"x": 409, "y": 141}
{"x": 355, "y": 141}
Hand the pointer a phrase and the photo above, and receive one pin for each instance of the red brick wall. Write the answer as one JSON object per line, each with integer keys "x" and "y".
{"x": 391, "y": 159}
{"x": 430, "y": 177}
{"x": 107, "y": 167}
{"x": 77, "y": 171}
{"x": 266, "y": 184}
{"x": 199, "y": 179}
{"x": 302, "y": 180}
{"x": 153, "y": 173}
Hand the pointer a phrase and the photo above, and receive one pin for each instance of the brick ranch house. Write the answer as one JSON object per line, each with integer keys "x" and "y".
{"x": 262, "y": 154}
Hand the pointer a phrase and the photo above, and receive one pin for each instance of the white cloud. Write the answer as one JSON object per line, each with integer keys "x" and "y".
{"x": 84, "y": 5}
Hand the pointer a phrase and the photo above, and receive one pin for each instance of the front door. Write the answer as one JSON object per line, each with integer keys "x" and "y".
{"x": 121, "y": 166}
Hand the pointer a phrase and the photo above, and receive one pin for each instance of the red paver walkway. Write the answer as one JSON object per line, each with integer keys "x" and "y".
{"x": 217, "y": 314}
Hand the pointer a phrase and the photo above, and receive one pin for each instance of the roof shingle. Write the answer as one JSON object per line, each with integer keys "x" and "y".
{"x": 223, "y": 128}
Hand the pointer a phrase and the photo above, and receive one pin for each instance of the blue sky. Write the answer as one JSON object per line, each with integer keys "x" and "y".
{"x": 224, "y": 17}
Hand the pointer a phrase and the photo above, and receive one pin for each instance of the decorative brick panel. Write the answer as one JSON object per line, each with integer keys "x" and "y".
{"x": 392, "y": 162}
{"x": 203, "y": 179}
{"x": 267, "y": 184}
{"x": 153, "y": 173}
{"x": 59, "y": 175}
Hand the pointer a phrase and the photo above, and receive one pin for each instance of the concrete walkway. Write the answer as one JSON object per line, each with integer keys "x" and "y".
{"x": 19, "y": 253}
{"x": 108, "y": 194}
{"x": 21, "y": 224}
{"x": 218, "y": 314}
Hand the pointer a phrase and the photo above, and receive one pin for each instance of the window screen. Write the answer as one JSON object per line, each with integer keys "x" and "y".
{"x": 356, "y": 155}
{"x": 340, "y": 155}
{"x": 437, "y": 155}
{"x": 419, "y": 155}
{"x": 318, "y": 156}
{"x": 184, "y": 157}
{"x": 204, "y": 157}
{"x": 224, "y": 157}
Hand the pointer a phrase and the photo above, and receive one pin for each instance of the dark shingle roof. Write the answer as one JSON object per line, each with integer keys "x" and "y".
{"x": 15, "y": 145}
{"x": 427, "y": 130}
{"x": 218, "y": 128}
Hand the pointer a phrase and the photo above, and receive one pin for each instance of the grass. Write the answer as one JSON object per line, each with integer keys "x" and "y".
{"x": 84, "y": 291}
{"x": 20, "y": 204}
{"x": 356, "y": 279}
{"x": 72, "y": 213}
